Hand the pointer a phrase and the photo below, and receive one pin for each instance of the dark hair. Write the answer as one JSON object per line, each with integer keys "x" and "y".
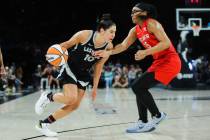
{"x": 151, "y": 10}
{"x": 105, "y": 22}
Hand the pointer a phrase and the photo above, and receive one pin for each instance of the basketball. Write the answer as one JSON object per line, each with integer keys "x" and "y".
{"x": 57, "y": 55}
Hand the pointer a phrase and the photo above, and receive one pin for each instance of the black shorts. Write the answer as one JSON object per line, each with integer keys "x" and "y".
{"x": 66, "y": 76}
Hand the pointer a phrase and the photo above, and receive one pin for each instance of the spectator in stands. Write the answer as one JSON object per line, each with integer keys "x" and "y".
{"x": 138, "y": 71}
{"x": 37, "y": 76}
{"x": 52, "y": 78}
{"x": 108, "y": 76}
{"x": 19, "y": 76}
{"x": 121, "y": 81}
{"x": 131, "y": 74}
{"x": 46, "y": 74}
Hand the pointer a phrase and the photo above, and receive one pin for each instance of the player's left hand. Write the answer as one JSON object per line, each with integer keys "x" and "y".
{"x": 140, "y": 54}
{"x": 93, "y": 94}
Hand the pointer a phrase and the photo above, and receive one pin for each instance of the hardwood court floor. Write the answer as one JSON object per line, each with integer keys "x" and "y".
{"x": 107, "y": 118}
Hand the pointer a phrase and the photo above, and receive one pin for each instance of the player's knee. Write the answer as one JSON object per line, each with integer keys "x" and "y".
{"x": 137, "y": 86}
{"x": 70, "y": 100}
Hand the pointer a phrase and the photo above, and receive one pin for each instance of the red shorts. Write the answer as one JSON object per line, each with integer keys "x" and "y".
{"x": 166, "y": 68}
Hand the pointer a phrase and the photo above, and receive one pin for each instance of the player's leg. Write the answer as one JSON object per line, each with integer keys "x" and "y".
{"x": 68, "y": 96}
{"x": 43, "y": 125}
{"x": 141, "y": 89}
{"x": 142, "y": 111}
{"x": 60, "y": 113}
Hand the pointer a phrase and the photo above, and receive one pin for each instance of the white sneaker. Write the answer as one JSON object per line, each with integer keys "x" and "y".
{"x": 42, "y": 103}
{"x": 43, "y": 128}
{"x": 156, "y": 120}
{"x": 138, "y": 125}
{"x": 146, "y": 127}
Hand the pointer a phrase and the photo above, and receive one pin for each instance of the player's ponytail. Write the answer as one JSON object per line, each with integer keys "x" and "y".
{"x": 151, "y": 10}
{"x": 105, "y": 22}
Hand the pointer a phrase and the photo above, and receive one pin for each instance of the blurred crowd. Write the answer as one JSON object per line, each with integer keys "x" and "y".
{"x": 120, "y": 76}
{"x": 11, "y": 82}
{"x": 201, "y": 70}
{"x": 113, "y": 76}
{"x": 24, "y": 71}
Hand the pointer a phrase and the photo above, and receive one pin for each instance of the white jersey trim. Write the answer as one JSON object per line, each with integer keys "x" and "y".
{"x": 70, "y": 73}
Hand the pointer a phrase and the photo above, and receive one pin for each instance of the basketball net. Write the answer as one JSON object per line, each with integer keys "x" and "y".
{"x": 196, "y": 30}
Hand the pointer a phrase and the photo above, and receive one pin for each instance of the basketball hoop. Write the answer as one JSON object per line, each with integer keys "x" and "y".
{"x": 196, "y": 30}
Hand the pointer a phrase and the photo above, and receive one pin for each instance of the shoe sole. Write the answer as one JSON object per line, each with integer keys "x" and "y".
{"x": 152, "y": 129}
{"x": 40, "y": 130}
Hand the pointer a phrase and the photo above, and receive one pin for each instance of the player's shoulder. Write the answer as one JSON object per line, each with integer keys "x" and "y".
{"x": 152, "y": 22}
{"x": 133, "y": 30}
{"x": 84, "y": 35}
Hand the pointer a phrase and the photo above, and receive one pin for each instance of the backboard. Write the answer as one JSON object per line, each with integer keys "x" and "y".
{"x": 196, "y": 19}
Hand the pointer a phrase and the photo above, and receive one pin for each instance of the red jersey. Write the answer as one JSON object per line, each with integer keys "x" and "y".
{"x": 166, "y": 63}
{"x": 149, "y": 40}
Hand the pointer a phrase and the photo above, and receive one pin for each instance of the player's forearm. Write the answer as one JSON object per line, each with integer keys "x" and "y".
{"x": 158, "y": 48}
{"x": 66, "y": 45}
{"x": 118, "y": 49}
{"x": 97, "y": 75}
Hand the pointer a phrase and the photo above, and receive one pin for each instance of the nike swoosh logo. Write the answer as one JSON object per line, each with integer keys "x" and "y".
{"x": 90, "y": 44}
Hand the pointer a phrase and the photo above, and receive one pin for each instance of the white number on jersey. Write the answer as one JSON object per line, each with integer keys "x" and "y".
{"x": 89, "y": 58}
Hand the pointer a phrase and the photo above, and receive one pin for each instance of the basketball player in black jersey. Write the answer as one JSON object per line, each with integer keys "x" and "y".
{"x": 75, "y": 74}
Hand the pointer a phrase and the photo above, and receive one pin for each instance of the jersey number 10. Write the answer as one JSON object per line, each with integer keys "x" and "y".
{"x": 89, "y": 58}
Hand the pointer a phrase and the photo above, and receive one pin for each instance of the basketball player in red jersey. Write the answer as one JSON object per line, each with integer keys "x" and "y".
{"x": 75, "y": 74}
{"x": 165, "y": 67}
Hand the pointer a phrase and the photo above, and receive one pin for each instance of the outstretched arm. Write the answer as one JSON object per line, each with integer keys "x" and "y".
{"x": 130, "y": 39}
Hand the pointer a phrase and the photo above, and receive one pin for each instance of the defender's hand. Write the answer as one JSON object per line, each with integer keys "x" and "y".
{"x": 140, "y": 54}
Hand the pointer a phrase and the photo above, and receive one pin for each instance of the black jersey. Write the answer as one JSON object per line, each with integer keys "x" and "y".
{"x": 81, "y": 58}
